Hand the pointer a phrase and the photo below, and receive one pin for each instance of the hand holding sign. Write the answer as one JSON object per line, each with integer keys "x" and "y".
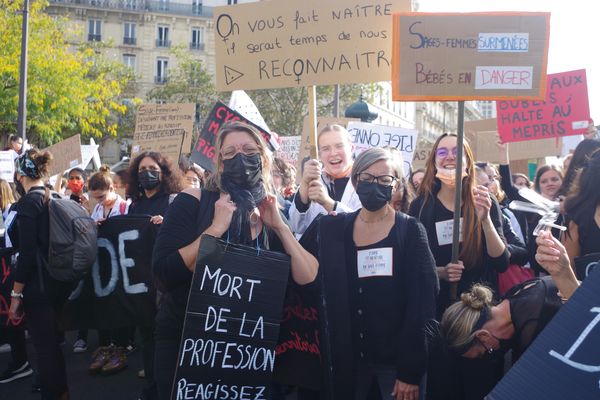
{"x": 224, "y": 209}
{"x": 318, "y": 193}
{"x": 503, "y": 154}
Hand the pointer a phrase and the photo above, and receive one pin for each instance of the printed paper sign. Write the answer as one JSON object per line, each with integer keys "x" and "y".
{"x": 469, "y": 56}
{"x": 289, "y": 148}
{"x": 7, "y": 166}
{"x": 375, "y": 262}
{"x": 289, "y": 43}
{"x": 564, "y": 112}
{"x": 444, "y": 229}
{"x": 365, "y": 136}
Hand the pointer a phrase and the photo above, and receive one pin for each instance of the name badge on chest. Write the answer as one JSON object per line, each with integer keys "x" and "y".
{"x": 375, "y": 262}
{"x": 443, "y": 229}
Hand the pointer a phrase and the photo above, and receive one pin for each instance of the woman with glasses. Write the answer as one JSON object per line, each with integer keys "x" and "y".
{"x": 237, "y": 203}
{"x": 193, "y": 174}
{"x": 379, "y": 286}
{"x": 482, "y": 252}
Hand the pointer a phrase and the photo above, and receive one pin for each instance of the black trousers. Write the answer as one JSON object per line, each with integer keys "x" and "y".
{"x": 42, "y": 320}
{"x": 15, "y": 336}
{"x": 166, "y": 349}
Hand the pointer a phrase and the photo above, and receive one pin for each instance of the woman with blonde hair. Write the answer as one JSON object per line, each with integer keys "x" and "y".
{"x": 6, "y": 197}
{"x": 237, "y": 203}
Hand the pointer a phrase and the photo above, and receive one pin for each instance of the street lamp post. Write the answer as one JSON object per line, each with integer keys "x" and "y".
{"x": 361, "y": 110}
{"x": 22, "y": 113}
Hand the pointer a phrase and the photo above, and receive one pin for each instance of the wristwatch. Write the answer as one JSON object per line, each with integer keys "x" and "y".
{"x": 16, "y": 295}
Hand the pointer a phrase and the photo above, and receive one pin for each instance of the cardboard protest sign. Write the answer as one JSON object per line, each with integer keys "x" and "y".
{"x": 232, "y": 322}
{"x": 469, "y": 56}
{"x": 564, "y": 112}
{"x": 482, "y": 135}
{"x": 165, "y": 128}
{"x": 289, "y": 43}
{"x": 204, "y": 152}
{"x": 289, "y": 148}
{"x": 7, "y": 165}
{"x": 564, "y": 360}
{"x": 584, "y": 265}
{"x": 365, "y": 136}
{"x": 119, "y": 291}
{"x": 67, "y": 154}
{"x": 424, "y": 147}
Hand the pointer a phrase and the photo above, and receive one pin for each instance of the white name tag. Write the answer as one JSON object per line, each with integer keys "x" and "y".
{"x": 443, "y": 229}
{"x": 375, "y": 262}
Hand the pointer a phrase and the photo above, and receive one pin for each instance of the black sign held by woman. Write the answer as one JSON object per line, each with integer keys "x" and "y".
{"x": 119, "y": 290}
{"x": 204, "y": 152}
{"x": 232, "y": 321}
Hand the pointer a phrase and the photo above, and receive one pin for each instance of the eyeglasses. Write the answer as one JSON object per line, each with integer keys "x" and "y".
{"x": 248, "y": 149}
{"x": 443, "y": 152}
{"x": 385, "y": 180}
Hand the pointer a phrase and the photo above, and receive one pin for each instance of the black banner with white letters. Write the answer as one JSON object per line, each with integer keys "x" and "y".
{"x": 564, "y": 360}
{"x": 119, "y": 291}
{"x": 232, "y": 321}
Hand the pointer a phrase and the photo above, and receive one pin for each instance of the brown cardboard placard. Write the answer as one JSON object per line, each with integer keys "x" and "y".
{"x": 166, "y": 128}
{"x": 483, "y": 135}
{"x": 424, "y": 147}
{"x": 67, "y": 154}
{"x": 469, "y": 56}
{"x": 289, "y": 43}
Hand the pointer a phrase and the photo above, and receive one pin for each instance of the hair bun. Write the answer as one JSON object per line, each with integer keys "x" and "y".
{"x": 105, "y": 169}
{"x": 478, "y": 298}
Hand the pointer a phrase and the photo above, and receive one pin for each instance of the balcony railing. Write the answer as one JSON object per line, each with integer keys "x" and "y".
{"x": 166, "y": 7}
{"x": 129, "y": 40}
{"x": 160, "y": 80}
{"x": 94, "y": 38}
{"x": 197, "y": 46}
{"x": 163, "y": 43}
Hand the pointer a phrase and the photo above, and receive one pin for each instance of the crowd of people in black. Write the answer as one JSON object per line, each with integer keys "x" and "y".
{"x": 412, "y": 325}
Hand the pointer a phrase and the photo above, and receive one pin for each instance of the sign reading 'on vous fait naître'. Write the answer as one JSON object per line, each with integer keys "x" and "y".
{"x": 456, "y": 56}
{"x": 292, "y": 43}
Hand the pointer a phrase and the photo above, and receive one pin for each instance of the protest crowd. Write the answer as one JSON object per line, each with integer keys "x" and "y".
{"x": 374, "y": 306}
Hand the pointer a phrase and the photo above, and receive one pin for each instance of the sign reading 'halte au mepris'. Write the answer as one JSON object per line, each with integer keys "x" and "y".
{"x": 454, "y": 56}
{"x": 292, "y": 43}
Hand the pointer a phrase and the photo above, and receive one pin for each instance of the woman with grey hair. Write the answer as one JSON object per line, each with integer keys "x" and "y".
{"x": 379, "y": 286}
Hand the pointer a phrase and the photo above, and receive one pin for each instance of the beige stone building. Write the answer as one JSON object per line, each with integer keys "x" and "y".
{"x": 143, "y": 32}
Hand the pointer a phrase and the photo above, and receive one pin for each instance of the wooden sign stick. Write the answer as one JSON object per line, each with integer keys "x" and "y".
{"x": 312, "y": 119}
{"x": 458, "y": 196}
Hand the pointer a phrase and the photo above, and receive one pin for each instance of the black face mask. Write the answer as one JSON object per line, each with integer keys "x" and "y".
{"x": 19, "y": 188}
{"x": 149, "y": 179}
{"x": 243, "y": 170}
{"x": 372, "y": 195}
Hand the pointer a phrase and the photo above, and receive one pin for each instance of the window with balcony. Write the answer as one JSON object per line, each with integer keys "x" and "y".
{"x": 129, "y": 33}
{"x": 162, "y": 65}
{"x": 94, "y": 30}
{"x": 196, "y": 7}
{"x": 129, "y": 60}
{"x": 197, "y": 42}
{"x": 162, "y": 36}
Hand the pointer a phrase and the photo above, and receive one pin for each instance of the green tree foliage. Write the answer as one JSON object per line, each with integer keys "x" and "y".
{"x": 69, "y": 90}
{"x": 188, "y": 82}
{"x": 284, "y": 109}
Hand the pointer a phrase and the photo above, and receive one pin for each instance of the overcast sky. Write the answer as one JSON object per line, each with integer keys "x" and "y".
{"x": 574, "y": 28}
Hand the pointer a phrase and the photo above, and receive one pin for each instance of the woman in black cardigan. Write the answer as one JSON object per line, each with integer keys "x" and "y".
{"x": 379, "y": 286}
{"x": 237, "y": 203}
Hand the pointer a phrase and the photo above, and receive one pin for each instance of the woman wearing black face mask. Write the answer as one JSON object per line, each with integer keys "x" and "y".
{"x": 379, "y": 285}
{"x": 152, "y": 181}
{"x": 237, "y": 203}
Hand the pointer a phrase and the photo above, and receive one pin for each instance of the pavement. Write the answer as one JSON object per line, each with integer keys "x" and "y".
{"x": 124, "y": 385}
